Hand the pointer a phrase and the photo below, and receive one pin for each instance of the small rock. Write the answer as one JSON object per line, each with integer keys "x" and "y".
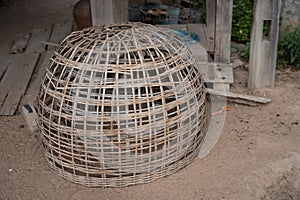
{"x": 21, "y": 126}
{"x": 277, "y": 115}
{"x": 295, "y": 123}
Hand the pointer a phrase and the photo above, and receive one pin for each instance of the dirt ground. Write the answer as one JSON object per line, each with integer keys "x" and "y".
{"x": 256, "y": 157}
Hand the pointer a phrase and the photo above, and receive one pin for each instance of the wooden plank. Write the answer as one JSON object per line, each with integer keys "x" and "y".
{"x": 263, "y": 50}
{"x": 31, "y": 117}
{"x": 173, "y": 26}
{"x": 210, "y": 38}
{"x": 220, "y": 76}
{"x": 199, "y": 29}
{"x": 37, "y": 78}
{"x": 20, "y": 43}
{"x": 199, "y": 53}
{"x": 15, "y": 81}
{"x": 213, "y": 127}
{"x": 209, "y": 29}
{"x": 164, "y": 26}
{"x": 239, "y": 96}
{"x": 37, "y": 37}
{"x": 211, "y": 14}
{"x": 179, "y": 27}
{"x": 109, "y": 11}
{"x": 221, "y": 86}
{"x": 4, "y": 62}
{"x": 223, "y": 74}
{"x": 120, "y": 11}
{"x": 59, "y": 32}
{"x": 102, "y": 12}
{"x": 206, "y": 71}
{"x": 223, "y": 31}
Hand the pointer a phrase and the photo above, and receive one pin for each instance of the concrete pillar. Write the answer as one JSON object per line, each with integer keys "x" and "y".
{"x": 264, "y": 40}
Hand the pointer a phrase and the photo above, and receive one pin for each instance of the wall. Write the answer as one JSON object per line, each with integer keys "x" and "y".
{"x": 290, "y": 13}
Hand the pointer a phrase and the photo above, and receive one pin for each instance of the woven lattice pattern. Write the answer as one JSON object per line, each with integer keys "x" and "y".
{"x": 121, "y": 105}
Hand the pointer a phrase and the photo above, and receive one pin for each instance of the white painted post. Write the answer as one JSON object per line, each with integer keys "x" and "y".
{"x": 263, "y": 52}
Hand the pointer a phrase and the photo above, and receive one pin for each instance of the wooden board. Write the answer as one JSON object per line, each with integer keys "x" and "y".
{"x": 205, "y": 34}
{"x": 199, "y": 53}
{"x": 214, "y": 128}
{"x": 218, "y": 77}
{"x": 207, "y": 71}
{"x": 4, "y": 62}
{"x": 37, "y": 78}
{"x": 199, "y": 29}
{"x": 120, "y": 11}
{"x": 109, "y": 11}
{"x": 20, "y": 43}
{"x": 15, "y": 81}
{"x": 211, "y": 14}
{"x": 179, "y": 27}
{"x": 102, "y": 12}
{"x": 221, "y": 86}
{"x": 223, "y": 31}
{"x": 174, "y": 26}
{"x": 210, "y": 24}
{"x": 216, "y": 74}
{"x": 59, "y": 32}
{"x": 223, "y": 74}
{"x": 210, "y": 38}
{"x": 244, "y": 97}
{"x": 37, "y": 37}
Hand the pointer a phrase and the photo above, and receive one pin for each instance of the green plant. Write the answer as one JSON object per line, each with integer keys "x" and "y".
{"x": 203, "y": 16}
{"x": 242, "y": 20}
{"x": 289, "y": 48}
{"x": 246, "y": 52}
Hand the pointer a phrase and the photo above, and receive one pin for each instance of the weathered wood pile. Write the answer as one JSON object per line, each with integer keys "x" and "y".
{"x": 22, "y": 70}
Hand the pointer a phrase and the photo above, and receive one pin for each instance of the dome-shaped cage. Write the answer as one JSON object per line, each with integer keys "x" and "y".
{"x": 120, "y": 105}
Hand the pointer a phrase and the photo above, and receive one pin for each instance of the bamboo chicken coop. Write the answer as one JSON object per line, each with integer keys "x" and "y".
{"x": 120, "y": 105}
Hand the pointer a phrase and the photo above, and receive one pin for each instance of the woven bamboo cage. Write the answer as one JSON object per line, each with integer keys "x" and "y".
{"x": 121, "y": 105}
